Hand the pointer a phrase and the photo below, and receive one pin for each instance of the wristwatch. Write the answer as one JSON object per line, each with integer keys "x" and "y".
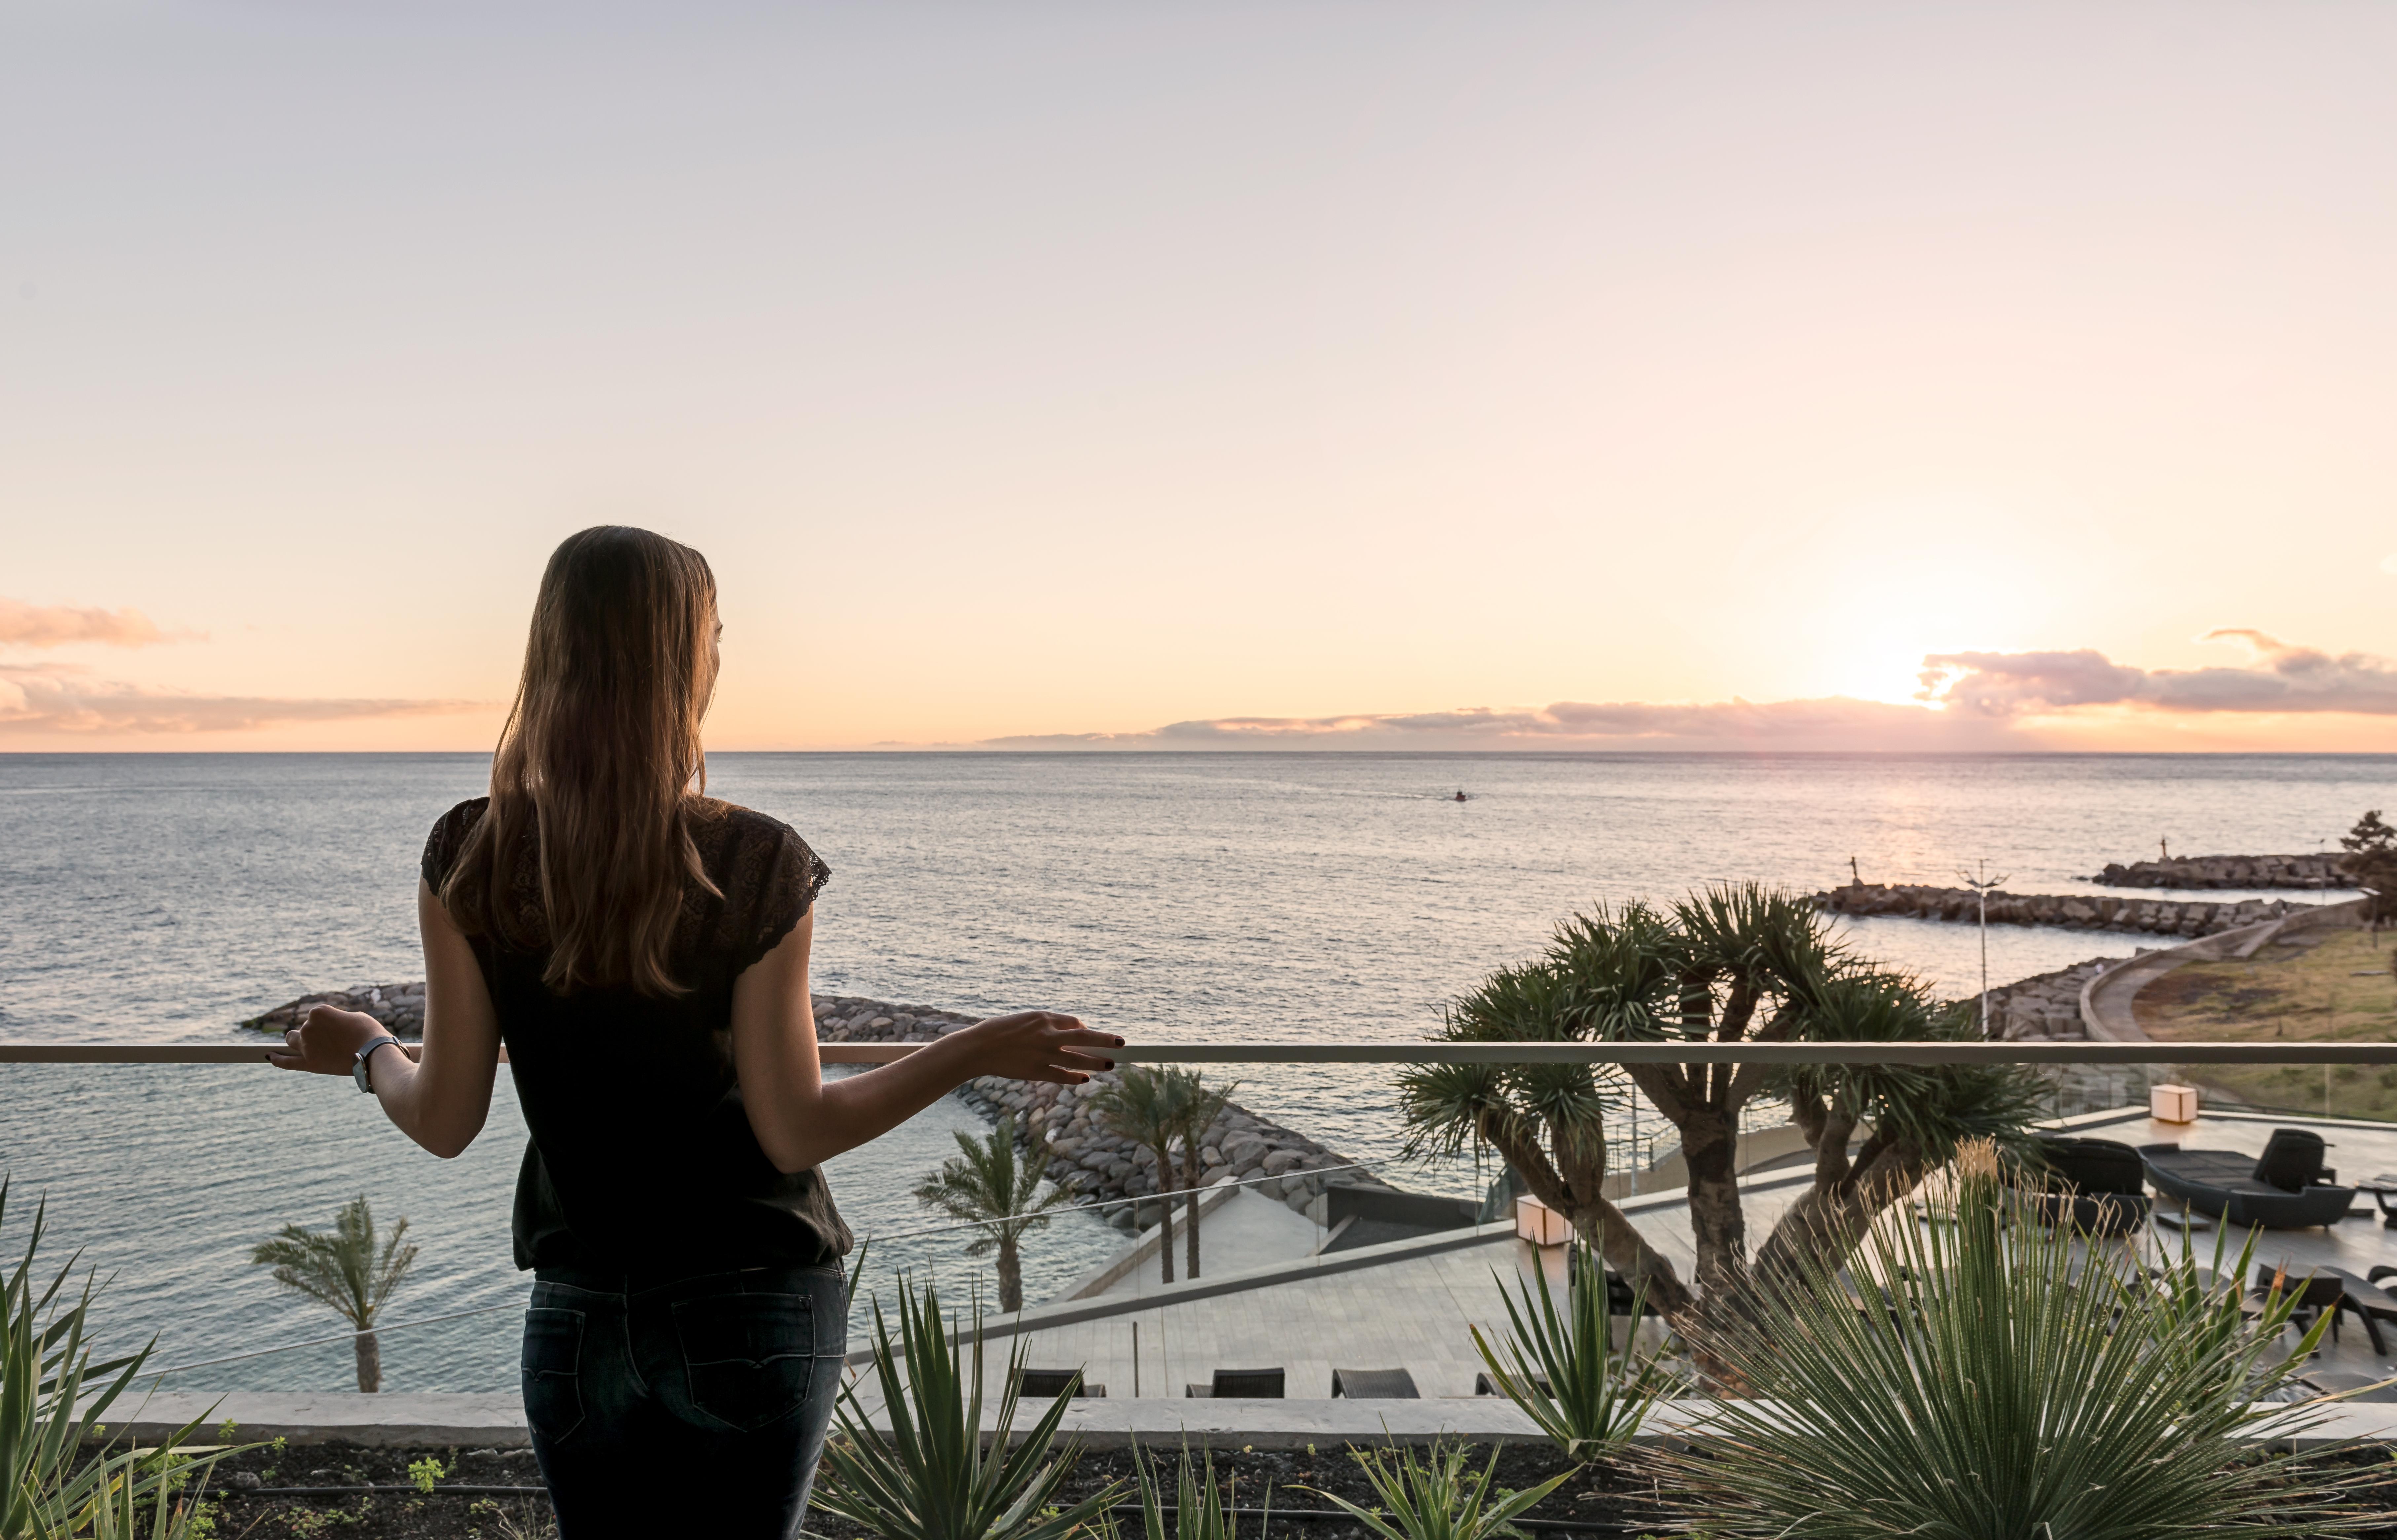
{"x": 358, "y": 1068}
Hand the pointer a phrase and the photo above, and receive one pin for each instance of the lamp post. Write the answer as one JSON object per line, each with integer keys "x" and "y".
{"x": 1982, "y": 886}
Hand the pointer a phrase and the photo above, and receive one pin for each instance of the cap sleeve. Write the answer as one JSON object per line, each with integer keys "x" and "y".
{"x": 787, "y": 881}
{"x": 448, "y": 837}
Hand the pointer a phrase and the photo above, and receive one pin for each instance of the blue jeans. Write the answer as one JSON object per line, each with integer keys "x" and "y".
{"x": 684, "y": 1406}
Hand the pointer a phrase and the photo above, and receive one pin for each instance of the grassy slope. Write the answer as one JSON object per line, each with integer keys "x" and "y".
{"x": 2341, "y": 988}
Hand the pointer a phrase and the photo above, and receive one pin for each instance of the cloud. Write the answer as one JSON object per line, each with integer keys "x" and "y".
{"x": 1832, "y": 723}
{"x": 2283, "y": 677}
{"x": 1971, "y": 700}
{"x": 23, "y": 624}
{"x": 66, "y": 699}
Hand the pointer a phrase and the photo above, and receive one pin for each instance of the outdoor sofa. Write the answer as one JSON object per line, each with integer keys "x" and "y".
{"x": 2288, "y": 1187}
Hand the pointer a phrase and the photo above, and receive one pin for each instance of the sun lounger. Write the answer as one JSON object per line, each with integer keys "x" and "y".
{"x": 1240, "y": 1384}
{"x": 1047, "y": 1385}
{"x": 2284, "y": 1189}
{"x": 1484, "y": 1385}
{"x": 1380, "y": 1384}
{"x": 2330, "y": 1381}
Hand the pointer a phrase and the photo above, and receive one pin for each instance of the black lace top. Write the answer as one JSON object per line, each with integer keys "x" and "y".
{"x": 642, "y": 1159}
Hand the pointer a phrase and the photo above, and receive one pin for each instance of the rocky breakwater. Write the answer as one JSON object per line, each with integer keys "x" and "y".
{"x": 2045, "y": 1007}
{"x": 2312, "y": 872}
{"x": 1082, "y": 1155}
{"x": 2160, "y": 917}
{"x": 400, "y": 1008}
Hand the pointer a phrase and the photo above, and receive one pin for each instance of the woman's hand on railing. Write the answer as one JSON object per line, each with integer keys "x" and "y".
{"x": 1039, "y": 1045}
{"x": 328, "y": 1042}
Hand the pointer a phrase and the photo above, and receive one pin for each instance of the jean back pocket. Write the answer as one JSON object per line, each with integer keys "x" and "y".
{"x": 553, "y": 1372}
{"x": 750, "y": 1357}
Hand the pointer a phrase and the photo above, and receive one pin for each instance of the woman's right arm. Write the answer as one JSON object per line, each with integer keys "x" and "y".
{"x": 802, "y": 1120}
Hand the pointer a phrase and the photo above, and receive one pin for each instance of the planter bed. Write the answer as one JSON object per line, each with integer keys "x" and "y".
{"x": 356, "y": 1492}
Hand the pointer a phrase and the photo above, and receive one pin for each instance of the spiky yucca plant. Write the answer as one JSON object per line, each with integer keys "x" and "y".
{"x": 1563, "y": 1370}
{"x": 933, "y": 1476}
{"x": 1199, "y": 1511}
{"x": 53, "y": 1401}
{"x": 1996, "y": 1386}
{"x": 1435, "y": 1498}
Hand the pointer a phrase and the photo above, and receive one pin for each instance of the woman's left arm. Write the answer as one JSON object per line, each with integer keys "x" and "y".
{"x": 440, "y": 1098}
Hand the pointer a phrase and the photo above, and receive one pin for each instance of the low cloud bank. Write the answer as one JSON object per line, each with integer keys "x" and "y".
{"x": 1970, "y": 701}
{"x": 23, "y": 624}
{"x": 1833, "y": 722}
{"x": 2285, "y": 677}
{"x": 68, "y": 700}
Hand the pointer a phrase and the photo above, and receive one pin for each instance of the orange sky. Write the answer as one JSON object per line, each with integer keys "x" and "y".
{"x": 1384, "y": 374}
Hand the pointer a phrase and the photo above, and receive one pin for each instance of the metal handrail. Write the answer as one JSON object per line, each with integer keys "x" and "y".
{"x": 1422, "y": 1052}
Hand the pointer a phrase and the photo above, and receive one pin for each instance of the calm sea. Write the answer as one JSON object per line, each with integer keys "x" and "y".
{"x": 163, "y": 897}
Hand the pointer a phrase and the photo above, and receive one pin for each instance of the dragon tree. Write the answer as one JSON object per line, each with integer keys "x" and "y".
{"x": 1730, "y": 963}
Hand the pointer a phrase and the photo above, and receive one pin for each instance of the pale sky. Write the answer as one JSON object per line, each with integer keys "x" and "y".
{"x": 1294, "y": 373}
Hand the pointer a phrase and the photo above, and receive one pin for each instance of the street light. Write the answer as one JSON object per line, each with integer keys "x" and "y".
{"x": 1982, "y": 886}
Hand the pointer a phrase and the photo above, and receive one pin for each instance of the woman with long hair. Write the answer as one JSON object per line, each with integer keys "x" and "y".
{"x": 641, "y": 951}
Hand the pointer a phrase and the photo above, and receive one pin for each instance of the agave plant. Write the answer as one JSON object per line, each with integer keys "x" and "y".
{"x": 1436, "y": 1498}
{"x": 53, "y": 1399}
{"x": 1199, "y": 1511}
{"x": 1996, "y": 1384}
{"x": 1563, "y": 1370}
{"x": 933, "y": 1476}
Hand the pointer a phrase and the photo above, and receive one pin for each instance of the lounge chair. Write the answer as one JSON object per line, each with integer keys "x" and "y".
{"x": 2330, "y": 1381}
{"x": 2286, "y": 1188}
{"x": 1241, "y": 1384}
{"x": 1047, "y": 1385}
{"x": 1484, "y": 1385}
{"x": 1381, "y": 1385}
{"x": 2096, "y": 1186}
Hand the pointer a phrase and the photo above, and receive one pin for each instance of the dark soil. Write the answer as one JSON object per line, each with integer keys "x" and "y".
{"x": 355, "y": 1494}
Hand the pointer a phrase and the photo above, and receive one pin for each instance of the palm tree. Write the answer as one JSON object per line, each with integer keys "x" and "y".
{"x": 1144, "y": 1107}
{"x": 344, "y": 1269}
{"x": 1202, "y": 1104}
{"x": 989, "y": 1184}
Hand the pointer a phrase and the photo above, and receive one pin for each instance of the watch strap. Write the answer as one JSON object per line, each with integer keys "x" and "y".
{"x": 358, "y": 1067}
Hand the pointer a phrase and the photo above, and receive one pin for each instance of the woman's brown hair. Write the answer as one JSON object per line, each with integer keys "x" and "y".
{"x": 592, "y": 784}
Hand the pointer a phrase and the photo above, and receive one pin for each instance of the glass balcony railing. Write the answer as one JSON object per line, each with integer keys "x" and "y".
{"x": 165, "y": 1165}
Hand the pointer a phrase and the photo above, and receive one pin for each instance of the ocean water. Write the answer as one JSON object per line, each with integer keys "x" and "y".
{"x": 163, "y": 897}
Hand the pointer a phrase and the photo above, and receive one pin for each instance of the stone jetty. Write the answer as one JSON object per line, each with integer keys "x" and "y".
{"x": 1097, "y": 1165}
{"x": 2161, "y": 917}
{"x": 2312, "y": 872}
